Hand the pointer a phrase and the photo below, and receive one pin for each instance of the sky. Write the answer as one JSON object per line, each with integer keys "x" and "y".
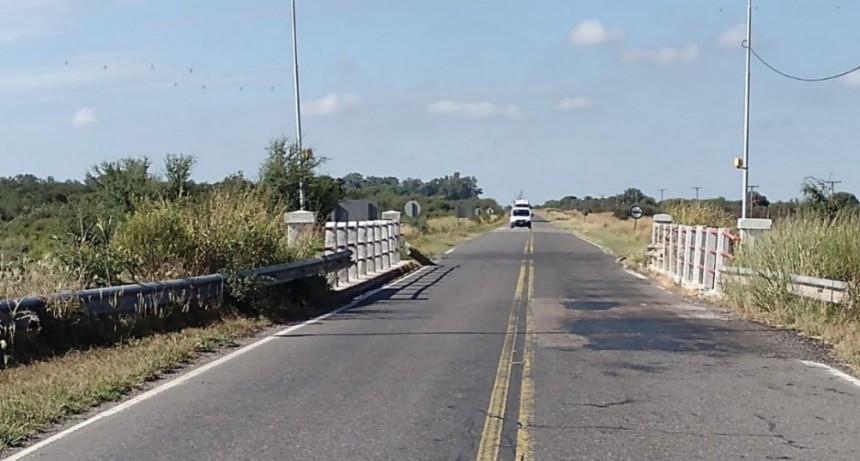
{"x": 551, "y": 97}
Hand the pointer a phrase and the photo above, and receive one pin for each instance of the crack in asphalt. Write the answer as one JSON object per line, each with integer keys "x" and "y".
{"x": 606, "y": 404}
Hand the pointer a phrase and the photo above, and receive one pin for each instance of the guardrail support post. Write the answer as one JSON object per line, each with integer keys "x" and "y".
{"x": 710, "y": 257}
{"x": 299, "y": 226}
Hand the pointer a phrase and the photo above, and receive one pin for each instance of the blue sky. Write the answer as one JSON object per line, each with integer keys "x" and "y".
{"x": 553, "y": 97}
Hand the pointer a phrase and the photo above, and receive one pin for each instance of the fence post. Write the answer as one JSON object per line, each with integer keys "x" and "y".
{"x": 393, "y": 217}
{"x": 352, "y": 244}
{"x": 300, "y": 226}
{"x": 710, "y": 257}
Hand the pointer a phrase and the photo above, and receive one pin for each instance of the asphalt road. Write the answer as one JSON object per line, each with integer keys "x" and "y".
{"x": 519, "y": 345}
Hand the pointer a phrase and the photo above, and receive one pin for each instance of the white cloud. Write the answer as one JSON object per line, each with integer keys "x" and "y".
{"x": 687, "y": 53}
{"x": 852, "y": 79}
{"x": 331, "y": 104}
{"x": 594, "y": 32}
{"x": 733, "y": 37}
{"x": 474, "y": 110}
{"x": 84, "y": 118}
{"x": 578, "y": 103}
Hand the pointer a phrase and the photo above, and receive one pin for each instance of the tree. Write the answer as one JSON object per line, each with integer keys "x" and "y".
{"x": 177, "y": 171}
{"x": 816, "y": 199}
{"x": 123, "y": 184}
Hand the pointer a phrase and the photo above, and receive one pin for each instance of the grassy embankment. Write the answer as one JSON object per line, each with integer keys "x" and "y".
{"x": 429, "y": 239}
{"x": 48, "y": 380}
{"x": 618, "y": 236}
{"x": 807, "y": 244}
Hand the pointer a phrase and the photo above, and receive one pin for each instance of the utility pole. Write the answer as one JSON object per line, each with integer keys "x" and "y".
{"x": 832, "y": 186}
{"x": 750, "y": 190}
{"x": 298, "y": 112}
{"x": 746, "y": 164}
{"x": 697, "y": 191}
{"x": 661, "y": 194}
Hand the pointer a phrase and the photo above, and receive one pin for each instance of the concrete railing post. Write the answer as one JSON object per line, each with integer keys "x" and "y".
{"x": 352, "y": 244}
{"x": 300, "y": 226}
{"x": 710, "y": 257}
{"x": 660, "y": 239}
{"x": 699, "y": 256}
{"x": 670, "y": 249}
{"x": 393, "y": 218}
{"x": 361, "y": 254}
{"x": 386, "y": 245}
{"x": 753, "y": 228}
{"x": 679, "y": 252}
{"x": 722, "y": 246}
{"x": 342, "y": 244}
{"x": 377, "y": 246}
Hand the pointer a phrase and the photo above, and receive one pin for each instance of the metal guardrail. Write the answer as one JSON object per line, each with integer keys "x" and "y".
{"x": 126, "y": 299}
{"x": 832, "y": 291}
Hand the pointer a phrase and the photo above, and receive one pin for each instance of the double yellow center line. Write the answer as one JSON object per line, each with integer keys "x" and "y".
{"x": 491, "y": 438}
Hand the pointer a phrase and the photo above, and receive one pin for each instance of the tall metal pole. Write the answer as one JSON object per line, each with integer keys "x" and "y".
{"x": 746, "y": 165}
{"x": 298, "y": 110}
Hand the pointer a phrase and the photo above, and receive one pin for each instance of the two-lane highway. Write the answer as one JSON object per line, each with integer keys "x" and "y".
{"x": 518, "y": 345}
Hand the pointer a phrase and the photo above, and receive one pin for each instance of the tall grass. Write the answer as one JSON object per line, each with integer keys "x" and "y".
{"x": 811, "y": 245}
{"x": 699, "y": 213}
{"x": 222, "y": 232}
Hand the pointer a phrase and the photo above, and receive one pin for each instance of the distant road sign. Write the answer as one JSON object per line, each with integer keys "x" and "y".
{"x": 478, "y": 212}
{"x": 412, "y": 209}
{"x": 491, "y": 211}
{"x": 636, "y": 212}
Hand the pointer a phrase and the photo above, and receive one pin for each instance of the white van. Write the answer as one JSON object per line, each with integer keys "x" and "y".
{"x": 521, "y": 214}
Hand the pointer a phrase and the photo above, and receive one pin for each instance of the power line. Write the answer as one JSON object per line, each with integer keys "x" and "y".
{"x": 744, "y": 44}
{"x": 661, "y": 194}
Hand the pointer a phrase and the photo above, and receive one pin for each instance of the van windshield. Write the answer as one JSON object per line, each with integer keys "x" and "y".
{"x": 521, "y": 212}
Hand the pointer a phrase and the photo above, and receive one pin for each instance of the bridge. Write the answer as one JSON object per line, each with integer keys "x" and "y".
{"x": 518, "y": 345}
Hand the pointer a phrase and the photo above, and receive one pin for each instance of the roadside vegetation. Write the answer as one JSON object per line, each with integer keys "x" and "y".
{"x": 821, "y": 241}
{"x": 429, "y": 238}
{"x": 127, "y": 223}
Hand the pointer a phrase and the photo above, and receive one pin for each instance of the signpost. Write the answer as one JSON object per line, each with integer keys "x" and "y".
{"x": 636, "y": 212}
{"x": 412, "y": 209}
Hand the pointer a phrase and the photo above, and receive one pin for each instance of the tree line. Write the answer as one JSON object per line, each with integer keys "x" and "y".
{"x": 36, "y": 212}
{"x": 816, "y": 197}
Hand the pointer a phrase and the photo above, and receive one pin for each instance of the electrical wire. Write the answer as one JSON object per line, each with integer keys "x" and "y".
{"x": 744, "y": 44}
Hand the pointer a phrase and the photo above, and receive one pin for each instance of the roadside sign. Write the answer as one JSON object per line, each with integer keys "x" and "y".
{"x": 491, "y": 211}
{"x": 412, "y": 209}
{"x": 636, "y": 212}
{"x": 478, "y": 212}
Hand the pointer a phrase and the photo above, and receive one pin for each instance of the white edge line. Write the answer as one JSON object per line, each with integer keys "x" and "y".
{"x": 833, "y": 371}
{"x": 197, "y": 372}
{"x": 450, "y": 251}
{"x": 636, "y": 274}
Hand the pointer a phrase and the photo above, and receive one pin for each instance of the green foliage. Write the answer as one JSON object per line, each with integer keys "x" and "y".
{"x": 817, "y": 200}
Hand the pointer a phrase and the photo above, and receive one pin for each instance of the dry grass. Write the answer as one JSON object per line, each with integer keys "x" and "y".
{"x": 607, "y": 230}
{"x": 36, "y": 396}
{"x": 443, "y": 234}
{"x": 699, "y": 213}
